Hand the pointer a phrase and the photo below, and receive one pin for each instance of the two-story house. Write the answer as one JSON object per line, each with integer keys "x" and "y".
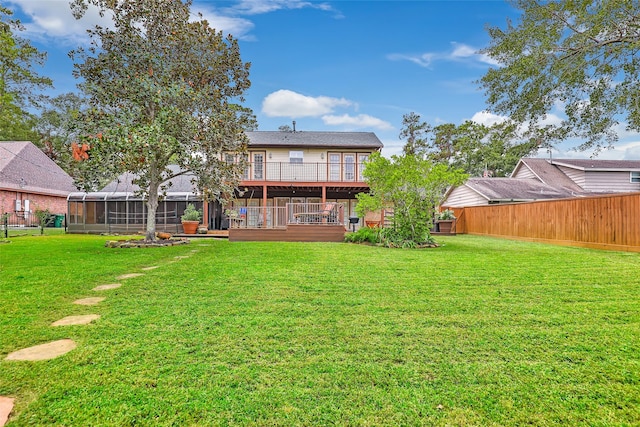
{"x": 304, "y": 171}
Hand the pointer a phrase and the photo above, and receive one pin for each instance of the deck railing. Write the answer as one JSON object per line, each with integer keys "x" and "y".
{"x": 304, "y": 172}
{"x": 329, "y": 213}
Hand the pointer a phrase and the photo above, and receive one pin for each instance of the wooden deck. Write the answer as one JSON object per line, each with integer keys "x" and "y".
{"x": 293, "y": 233}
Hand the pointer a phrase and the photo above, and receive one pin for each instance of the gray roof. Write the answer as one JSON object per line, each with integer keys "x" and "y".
{"x": 515, "y": 189}
{"x": 550, "y": 174}
{"x": 25, "y": 168}
{"x": 124, "y": 183}
{"x": 303, "y": 139}
{"x": 590, "y": 164}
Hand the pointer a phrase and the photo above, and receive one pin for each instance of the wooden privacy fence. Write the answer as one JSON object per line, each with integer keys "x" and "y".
{"x": 602, "y": 222}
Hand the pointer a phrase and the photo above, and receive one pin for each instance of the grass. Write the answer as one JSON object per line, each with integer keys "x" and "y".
{"x": 478, "y": 332}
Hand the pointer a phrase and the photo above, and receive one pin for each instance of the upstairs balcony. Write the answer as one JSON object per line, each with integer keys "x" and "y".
{"x": 304, "y": 172}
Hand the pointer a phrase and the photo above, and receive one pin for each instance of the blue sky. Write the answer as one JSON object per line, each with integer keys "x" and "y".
{"x": 335, "y": 65}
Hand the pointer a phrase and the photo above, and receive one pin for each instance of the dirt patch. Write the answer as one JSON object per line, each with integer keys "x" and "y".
{"x": 76, "y": 320}
{"x": 6, "y": 405}
{"x": 145, "y": 243}
{"x": 107, "y": 287}
{"x": 129, "y": 276}
{"x": 89, "y": 301}
{"x": 46, "y": 351}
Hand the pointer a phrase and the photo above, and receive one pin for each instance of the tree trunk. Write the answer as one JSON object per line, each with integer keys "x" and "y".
{"x": 152, "y": 207}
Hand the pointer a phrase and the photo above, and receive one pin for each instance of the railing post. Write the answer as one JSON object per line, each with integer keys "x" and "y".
{"x": 5, "y": 223}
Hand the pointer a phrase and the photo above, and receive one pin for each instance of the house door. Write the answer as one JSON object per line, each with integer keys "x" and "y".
{"x": 334, "y": 166}
{"x": 258, "y": 166}
{"x": 281, "y": 211}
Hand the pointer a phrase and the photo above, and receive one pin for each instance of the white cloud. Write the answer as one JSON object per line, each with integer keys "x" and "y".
{"x": 52, "y": 20}
{"x": 459, "y": 53}
{"x": 286, "y": 103}
{"x": 238, "y": 27}
{"x": 255, "y": 7}
{"x": 488, "y": 119}
{"x": 359, "y": 121}
{"x": 423, "y": 60}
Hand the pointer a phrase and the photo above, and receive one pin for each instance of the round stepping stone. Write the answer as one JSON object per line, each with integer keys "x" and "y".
{"x": 46, "y": 351}
{"x": 89, "y": 301}
{"x": 181, "y": 257}
{"x": 150, "y": 268}
{"x": 129, "y": 276}
{"x": 107, "y": 287}
{"x": 76, "y": 320}
{"x": 6, "y": 405}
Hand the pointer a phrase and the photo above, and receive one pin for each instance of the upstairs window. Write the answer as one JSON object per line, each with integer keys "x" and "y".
{"x": 635, "y": 177}
{"x": 295, "y": 156}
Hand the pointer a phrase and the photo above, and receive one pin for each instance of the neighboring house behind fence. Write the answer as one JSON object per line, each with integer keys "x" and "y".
{"x": 29, "y": 180}
{"x": 543, "y": 179}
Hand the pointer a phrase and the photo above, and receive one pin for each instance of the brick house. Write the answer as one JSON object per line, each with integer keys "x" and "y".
{"x": 30, "y": 180}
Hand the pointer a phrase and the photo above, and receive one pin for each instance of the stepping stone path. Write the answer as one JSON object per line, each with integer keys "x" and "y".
{"x": 6, "y": 405}
{"x": 181, "y": 257}
{"x": 89, "y": 301}
{"x": 46, "y": 351}
{"x": 107, "y": 287}
{"x": 129, "y": 276}
{"x": 76, "y": 320}
{"x": 150, "y": 268}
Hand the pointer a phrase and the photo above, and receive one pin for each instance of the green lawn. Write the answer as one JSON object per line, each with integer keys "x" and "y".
{"x": 478, "y": 332}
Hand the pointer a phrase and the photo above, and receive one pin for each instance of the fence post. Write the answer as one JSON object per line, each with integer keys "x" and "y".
{"x": 5, "y": 223}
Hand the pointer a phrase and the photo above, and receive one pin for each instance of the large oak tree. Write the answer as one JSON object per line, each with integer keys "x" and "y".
{"x": 163, "y": 88}
{"x": 579, "y": 55}
{"x": 20, "y": 84}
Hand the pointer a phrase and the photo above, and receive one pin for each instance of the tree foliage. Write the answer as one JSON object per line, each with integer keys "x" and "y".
{"x": 475, "y": 148}
{"x": 581, "y": 55}
{"x": 410, "y": 185}
{"x": 162, "y": 89}
{"x": 19, "y": 82}
{"x": 55, "y": 126}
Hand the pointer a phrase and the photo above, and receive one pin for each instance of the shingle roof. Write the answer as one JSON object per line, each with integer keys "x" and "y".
{"x": 124, "y": 183}
{"x": 516, "y": 189}
{"x": 551, "y": 175}
{"x": 589, "y": 164}
{"x": 24, "y": 167}
{"x": 363, "y": 140}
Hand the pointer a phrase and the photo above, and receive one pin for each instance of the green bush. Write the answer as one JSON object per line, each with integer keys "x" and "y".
{"x": 364, "y": 235}
{"x": 388, "y": 237}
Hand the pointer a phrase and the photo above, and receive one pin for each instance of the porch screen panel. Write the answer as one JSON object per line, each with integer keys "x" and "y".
{"x": 100, "y": 212}
{"x": 90, "y": 212}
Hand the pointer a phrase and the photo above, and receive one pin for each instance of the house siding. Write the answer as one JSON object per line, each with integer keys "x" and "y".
{"x": 525, "y": 173}
{"x": 606, "y": 182}
{"x": 575, "y": 175}
{"x": 464, "y": 196}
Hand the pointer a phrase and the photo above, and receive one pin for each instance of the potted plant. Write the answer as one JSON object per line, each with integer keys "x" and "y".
{"x": 191, "y": 219}
{"x": 445, "y": 221}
